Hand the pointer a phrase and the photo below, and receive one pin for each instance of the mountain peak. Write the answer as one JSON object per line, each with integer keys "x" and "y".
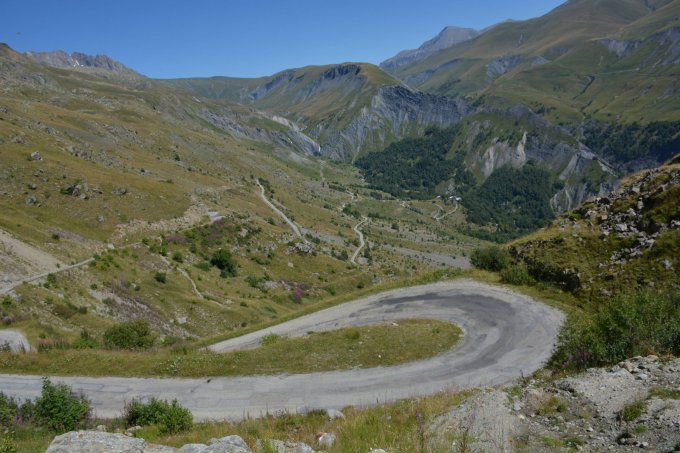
{"x": 449, "y": 36}
{"x": 79, "y": 60}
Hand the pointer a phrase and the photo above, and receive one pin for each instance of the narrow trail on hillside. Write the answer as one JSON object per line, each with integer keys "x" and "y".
{"x": 280, "y": 213}
{"x": 446, "y": 214}
{"x": 184, "y": 273}
{"x": 32, "y": 278}
{"x": 362, "y": 243}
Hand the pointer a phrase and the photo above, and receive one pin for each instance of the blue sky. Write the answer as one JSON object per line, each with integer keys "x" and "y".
{"x": 244, "y": 38}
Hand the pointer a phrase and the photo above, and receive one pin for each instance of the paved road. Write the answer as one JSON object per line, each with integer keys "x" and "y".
{"x": 506, "y": 334}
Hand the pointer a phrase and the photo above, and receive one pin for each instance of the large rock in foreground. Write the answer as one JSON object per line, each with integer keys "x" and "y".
{"x": 103, "y": 442}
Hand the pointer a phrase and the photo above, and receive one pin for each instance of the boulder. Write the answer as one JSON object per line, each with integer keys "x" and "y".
{"x": 326, "y": 439}
{"x": 103, "y": 442}
{"x": 35, "y": 155}
{"x": 280, "y": 446}
{"x": 95, "y": 442}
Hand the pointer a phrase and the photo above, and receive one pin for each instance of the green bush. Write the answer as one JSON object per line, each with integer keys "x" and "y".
{"x": 632, "y": 411}
{"x": 170, "y": 417}
{"x": 269, "y": 339}
{"x": 135, "y": 334}
{"x": 626, "y": 326}
{"x": 7, "y": 445}
{"x": 85, "y": 341}
{"x": 59, "y": 409}
{"x": 161, "y": 277}
{"x": 178, "y": 257}
{"x": 492, "y": 258}
{"x": 516, "y": 274}
{"x": 223, "y": 260}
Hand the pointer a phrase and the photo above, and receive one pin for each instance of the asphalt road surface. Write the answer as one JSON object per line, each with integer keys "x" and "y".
{"x": 505, "y": 335}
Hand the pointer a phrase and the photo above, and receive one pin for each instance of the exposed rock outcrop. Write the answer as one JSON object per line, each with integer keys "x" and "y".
{"x": 394, "y": 111}
{"x": 583, "y": 412}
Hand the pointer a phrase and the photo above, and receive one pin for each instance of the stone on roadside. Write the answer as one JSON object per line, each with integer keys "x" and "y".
{"x": 326, "y": 439}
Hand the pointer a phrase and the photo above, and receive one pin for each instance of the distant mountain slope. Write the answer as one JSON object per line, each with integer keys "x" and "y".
{"x": 348, "y": 108}
{"x": 605, "y": 58}
{"x": 448, "y": 37}
{"x": 81, "y": 61}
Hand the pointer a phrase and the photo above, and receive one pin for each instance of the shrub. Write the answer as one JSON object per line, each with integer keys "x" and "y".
{"x": 626, "y": 326}
{"x": 270, "y": 338}
{"x": 492, "y": 258}
{"x": 352, "y": 333}
{"x": 178, "y": 257}
{"x": 632, "y": 411}
{"x": 59, "y": 409}
{"x": 222, "y": 260}
{"x": 7, "y": 445}
{"x": 135, "y": 334}
{"x": 516, "y": 275}
{"x": 161, "y": 277}
{"x": 170, "y": 417}
{"x": 86, "y": 341}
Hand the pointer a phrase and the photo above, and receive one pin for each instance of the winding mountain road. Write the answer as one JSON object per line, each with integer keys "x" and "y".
{"x": 505, "y": 335}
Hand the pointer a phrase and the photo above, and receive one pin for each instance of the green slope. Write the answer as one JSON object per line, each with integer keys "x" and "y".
{"x": 311, "y": 94}
{"x": 559, "y": 62}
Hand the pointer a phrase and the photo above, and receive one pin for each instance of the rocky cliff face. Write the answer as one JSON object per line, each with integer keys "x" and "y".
{"x": 582, "y": 173}
{"x": 289, "y": 136}
{"x": 394, "y": 112}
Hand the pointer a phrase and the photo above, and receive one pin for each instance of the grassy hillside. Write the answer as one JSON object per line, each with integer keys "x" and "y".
{"x": 151, "y": 182}
{"x": 311, "y": 95}
{"x": 618, "y": 243}
{"x": 562, "y": 64}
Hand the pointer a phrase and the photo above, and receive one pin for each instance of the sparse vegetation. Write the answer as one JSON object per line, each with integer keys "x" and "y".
{"x": 632, "y": 411}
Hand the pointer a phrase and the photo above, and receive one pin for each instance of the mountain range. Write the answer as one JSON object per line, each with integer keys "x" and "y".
{"x": 588, "y": 91}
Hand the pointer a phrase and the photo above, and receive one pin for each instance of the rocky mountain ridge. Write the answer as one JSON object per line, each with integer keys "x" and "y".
{"x": 81, "y": 61}
{"x": 448, "y": 37}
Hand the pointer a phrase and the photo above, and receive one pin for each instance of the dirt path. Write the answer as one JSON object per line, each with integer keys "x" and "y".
{"x": 19, "y": 260}
{"x": 362, "y": 243}
{"x": 280, "y": 213}
{"x": 438, "y": 214}
{"x": 22, "y": 262}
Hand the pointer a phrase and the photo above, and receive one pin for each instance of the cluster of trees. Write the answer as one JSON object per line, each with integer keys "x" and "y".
{"x": 513, "y": 201}
{"x": 516, "y": 201}
{"x": 412, "y": 168}
{"x": 658, "y": 140}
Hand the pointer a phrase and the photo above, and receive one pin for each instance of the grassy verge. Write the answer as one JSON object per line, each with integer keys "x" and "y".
{"x": 365, "y": 347}
{"x": 421, "y": 279}
{"x": 398, "y": 427}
